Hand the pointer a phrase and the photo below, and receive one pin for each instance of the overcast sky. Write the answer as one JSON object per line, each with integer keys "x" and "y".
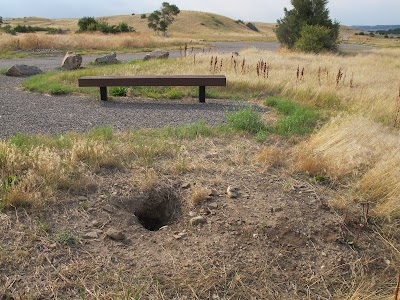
{"x": 347, "y": 12}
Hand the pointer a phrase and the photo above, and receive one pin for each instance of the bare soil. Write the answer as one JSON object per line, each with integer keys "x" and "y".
{"x": 279, "y": 239}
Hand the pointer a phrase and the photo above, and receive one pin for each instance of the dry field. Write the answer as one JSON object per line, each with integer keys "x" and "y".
{"x": 317, "y": 217}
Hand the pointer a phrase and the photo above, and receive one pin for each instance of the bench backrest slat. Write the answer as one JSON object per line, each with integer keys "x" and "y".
{"x": 170, "y": 80}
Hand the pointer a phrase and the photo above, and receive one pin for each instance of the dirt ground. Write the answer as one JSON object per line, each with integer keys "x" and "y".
{"x": 278, "y": 239}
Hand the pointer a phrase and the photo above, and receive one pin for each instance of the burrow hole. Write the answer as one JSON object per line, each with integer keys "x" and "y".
{"x": 157, "y": 208}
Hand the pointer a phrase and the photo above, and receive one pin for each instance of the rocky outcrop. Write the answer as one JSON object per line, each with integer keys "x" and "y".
{"x": 23, "y": 70}
{"x": 107, "y": 59}
{"x": 71, "y": 61}
{"x": 157, "y": 54}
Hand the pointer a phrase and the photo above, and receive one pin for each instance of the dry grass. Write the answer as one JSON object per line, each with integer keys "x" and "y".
{"x": 85, "y": 41}
{"x": 362, "y": 152}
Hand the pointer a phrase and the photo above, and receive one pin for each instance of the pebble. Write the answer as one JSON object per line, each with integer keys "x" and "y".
{"x": 91, "y": 235}
{"x": 82, "y": 198}
{"x": 232, "y": 192}
{"x": 185, "y": 185}
{"x": 197, "y": 221}
{"x": 180, "y": 235}
{"x": 115, "y": 234}
{"x": 213, "y": 205}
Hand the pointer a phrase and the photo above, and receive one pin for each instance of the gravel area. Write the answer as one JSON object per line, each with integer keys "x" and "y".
{"x": 26, "y": 112}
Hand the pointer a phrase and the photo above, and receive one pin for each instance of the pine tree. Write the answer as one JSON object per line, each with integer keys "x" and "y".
{"x": 315, "y": 15}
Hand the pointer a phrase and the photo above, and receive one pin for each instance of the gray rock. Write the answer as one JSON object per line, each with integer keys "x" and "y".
{"x": 157, "y": 54}
{"x": 232, "y": 192}
{"x": 23, "y": 70}
{"x": 115, "y": 234}
{"x": 71, "y": 61}
{"x": 107, "y": 59}
{"x": 197, "y": 221}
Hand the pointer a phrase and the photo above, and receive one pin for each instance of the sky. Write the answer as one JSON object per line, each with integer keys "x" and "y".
{"x": 347, "y": 12}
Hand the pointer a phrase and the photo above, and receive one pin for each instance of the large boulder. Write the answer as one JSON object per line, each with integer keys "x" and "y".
{"x": 157, "y": 54}
{"x": 23, "y": 70}
{"x": 71, "y": 61}
{"x": 107, "y": 59}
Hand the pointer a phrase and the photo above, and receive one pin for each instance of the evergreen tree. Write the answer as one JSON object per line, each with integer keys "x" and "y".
{"x": 159, "y": 20}
{"x": 312, "y": 13}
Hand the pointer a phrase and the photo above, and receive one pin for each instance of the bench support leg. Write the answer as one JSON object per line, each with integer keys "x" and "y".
{"x": 202, "y": 94}
{"x": 103, "y": 93}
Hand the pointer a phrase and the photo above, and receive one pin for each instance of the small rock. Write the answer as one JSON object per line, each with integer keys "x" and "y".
{"x": 23, "y": 70}
{"x": 197, "y": 221}
{"x": 91, "y": 235}
{"x": 192, "y": 213}
{"x": 96, "y": 223}
{"x": 157, "y": 54}
{"x": 276, "y": 209}
{"x": 71, "y": 61}
{"x": 53, "y": 246}
{"x": 115, "y": 234}
{"x": 232, "y": 192}
{"x": 185, "y": 185}
{"x": 107, "y": 59}
{"x": 82, "y": 198}
{"x": 180, "y": 235}
{"x": 213, "y": 205}
{"x": 108, "y": 208}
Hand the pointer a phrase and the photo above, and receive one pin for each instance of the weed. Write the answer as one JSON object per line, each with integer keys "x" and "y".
{"x": 66, "y": 237}
{"x": 119, "y": 91}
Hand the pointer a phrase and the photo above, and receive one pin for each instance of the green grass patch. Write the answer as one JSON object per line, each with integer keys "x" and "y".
{"x": 296, "y": 119}
{"x": 248, "y": 120}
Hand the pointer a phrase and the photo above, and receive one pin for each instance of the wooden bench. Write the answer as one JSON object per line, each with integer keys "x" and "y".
{"x": 171, "y": 80}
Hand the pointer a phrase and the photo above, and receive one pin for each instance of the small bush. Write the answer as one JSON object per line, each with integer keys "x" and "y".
{"x": 143, "y": 16}
{"x": 66, "y": 237}
{"x": 246, "y": 120}
{"x": 251, "y": 26}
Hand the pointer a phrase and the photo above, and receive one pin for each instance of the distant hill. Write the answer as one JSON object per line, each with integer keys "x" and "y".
{"x": 376, "y": 27}
{"x": 188, "y": 24}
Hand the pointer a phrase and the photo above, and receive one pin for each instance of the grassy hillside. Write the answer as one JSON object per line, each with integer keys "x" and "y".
{"x": 188, "y": 24}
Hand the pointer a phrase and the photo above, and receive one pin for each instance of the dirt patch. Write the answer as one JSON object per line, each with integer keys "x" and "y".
{"x": 279, "y": 239}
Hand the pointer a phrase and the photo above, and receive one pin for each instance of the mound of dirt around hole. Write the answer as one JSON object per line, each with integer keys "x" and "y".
{"x": 156, "y": 207}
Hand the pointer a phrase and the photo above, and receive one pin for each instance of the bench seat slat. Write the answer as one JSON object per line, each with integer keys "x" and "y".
{"x": 171, "y": 80}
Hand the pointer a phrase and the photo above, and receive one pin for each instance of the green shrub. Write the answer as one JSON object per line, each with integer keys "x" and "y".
{"x": 315, "y": 38}
{"x": 85, "y": 22}
{"x": 66, "y": 237}
{"x": 119, "y": 91}
{"x": 143, "y": 16}
{"x": 247, "y": 120}
{"x": 251, "y": 26}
